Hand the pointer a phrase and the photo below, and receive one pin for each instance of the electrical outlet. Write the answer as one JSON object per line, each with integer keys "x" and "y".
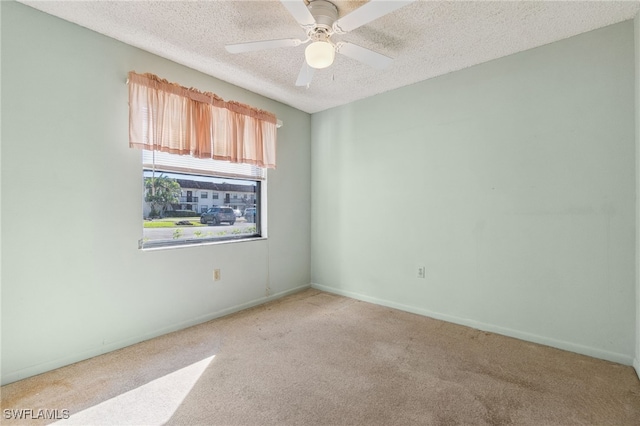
{"x": 422, "y": 272}
{"x": 216, "y": 274}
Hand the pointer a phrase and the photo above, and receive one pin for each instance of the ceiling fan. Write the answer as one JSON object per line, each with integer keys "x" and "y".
{"x": 319, "y": 20}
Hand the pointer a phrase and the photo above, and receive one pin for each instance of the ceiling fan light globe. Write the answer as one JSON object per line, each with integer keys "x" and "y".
{"x": 319, "y": 54}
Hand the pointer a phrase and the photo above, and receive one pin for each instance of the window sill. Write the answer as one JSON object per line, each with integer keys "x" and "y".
{"x": 202, "y": 243}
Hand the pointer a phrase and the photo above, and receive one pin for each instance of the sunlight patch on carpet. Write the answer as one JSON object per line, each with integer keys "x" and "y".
{"x": 150, "y": 404}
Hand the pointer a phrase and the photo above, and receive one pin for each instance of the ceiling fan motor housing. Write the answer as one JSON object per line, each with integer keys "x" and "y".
{"x": 325, "y": 14}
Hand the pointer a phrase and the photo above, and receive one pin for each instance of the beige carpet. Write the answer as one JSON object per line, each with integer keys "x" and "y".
{"x": 319, "y": 359}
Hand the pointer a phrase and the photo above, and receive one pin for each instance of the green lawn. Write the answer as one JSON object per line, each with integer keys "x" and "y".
{"x": 170, "y": 222}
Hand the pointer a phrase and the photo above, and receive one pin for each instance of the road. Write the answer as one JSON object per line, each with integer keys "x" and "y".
{"x": 188, "y": 231}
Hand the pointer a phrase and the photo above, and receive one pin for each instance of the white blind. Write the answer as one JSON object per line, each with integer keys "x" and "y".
{"x": 167, "y": 162}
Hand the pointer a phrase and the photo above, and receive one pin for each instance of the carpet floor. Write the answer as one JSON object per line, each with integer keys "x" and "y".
{"x": 315, "y": 358}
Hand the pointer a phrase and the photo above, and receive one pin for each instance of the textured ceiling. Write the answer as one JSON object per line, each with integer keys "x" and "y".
{"x": 425, "y": 38}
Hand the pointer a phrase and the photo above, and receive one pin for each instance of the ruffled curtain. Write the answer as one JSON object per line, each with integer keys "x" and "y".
{"x": 167, "y": 117}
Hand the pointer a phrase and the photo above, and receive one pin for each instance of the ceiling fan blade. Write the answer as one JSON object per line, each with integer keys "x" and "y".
{"x": 252, "y": 46}
{"x": 366, "y": 13}
{"x": 298, "y": 9}
{"x": 305, "y": 75}
{"x": 364, "y": 55}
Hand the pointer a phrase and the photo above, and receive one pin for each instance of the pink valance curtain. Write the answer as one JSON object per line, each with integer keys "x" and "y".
{"x": 167, "y": 117}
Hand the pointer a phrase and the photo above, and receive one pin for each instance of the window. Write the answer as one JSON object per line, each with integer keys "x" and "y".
{"x": 174, "y": 216}
{"x": 194, "y": 142}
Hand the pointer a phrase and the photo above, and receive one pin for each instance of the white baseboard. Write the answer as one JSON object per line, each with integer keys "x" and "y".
{"x": 636, "y": 365}
{"x": 61, "y": 362}
{"x": 568, "y": 346}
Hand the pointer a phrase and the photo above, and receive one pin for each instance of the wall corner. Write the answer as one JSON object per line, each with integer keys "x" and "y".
{"x": 636, "y": 38}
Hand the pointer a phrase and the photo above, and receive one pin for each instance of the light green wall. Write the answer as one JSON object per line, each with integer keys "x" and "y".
{"x": 512, "y": 182}
{"x": 637, "y": 118}
{"x": 74, "y": 283}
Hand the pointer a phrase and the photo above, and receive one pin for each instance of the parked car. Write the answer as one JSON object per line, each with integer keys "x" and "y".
{"x": 217, "y": 215}
{"x": 237, "y": 212}
{"x": 250, "y": 214}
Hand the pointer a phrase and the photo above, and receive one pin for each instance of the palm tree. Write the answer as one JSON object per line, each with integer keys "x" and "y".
{"x": 162, "y": 191}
